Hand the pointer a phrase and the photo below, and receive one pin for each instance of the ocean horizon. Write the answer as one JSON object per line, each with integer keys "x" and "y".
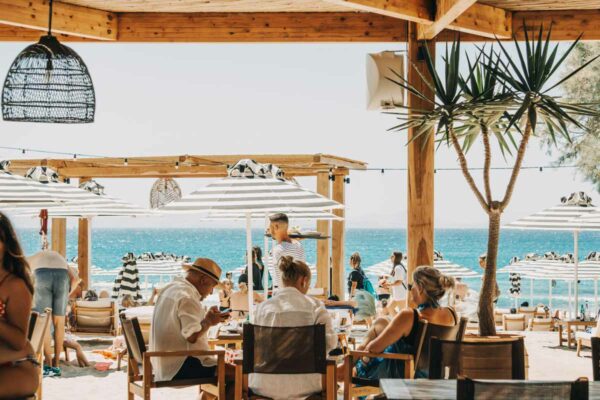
{"x": 227, "y": 246}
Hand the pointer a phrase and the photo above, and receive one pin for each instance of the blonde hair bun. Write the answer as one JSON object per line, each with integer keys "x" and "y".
{"x": 447, "y": 282}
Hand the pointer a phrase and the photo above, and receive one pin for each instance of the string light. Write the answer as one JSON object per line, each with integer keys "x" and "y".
{"x": 23, "y": 151}
{"x": 74, "y": 156}
{"x": 176, "y": 164}
{"x": 125, "y": 163}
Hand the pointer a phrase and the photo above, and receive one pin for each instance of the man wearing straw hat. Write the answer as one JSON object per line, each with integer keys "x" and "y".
{"x": 180, "y": 322}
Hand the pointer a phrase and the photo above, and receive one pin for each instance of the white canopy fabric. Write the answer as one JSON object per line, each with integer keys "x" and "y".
{"x": 251, "y": 189}
{"x": 563, "y": 217}
{"x": 17, "y": 190}
{"x": 445, "y": 267}
{"x": 293, "y": 215}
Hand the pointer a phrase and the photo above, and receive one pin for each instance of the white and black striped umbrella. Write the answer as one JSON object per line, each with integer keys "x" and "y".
{"x": 127, "y": 283}
{"x": 251, "y": 195}
{"x": 444, "y": 266}
{"x": 17, "y": 190}
{"x": 563, "y": 217}
{"x": 293, "y": 215}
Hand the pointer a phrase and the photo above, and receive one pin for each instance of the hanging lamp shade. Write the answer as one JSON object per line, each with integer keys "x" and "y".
{"x": 48, "y": 82}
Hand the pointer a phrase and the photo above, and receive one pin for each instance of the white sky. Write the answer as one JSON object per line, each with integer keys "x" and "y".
{"x": 172, "y": 99}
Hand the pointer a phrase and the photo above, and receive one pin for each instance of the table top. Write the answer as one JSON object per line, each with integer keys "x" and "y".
{"x": 577, "y": 322}
{"x": 440, "y": 389}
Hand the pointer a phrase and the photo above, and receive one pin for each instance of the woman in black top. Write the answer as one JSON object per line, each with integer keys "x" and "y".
{"x": 356, "y": 279}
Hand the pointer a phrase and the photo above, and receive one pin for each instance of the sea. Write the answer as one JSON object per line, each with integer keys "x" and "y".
{"x": 227, "y": 247}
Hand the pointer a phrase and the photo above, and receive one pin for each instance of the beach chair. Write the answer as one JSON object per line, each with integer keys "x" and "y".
{"x": 285, "y": 350}
{"x": 140, "y": 379}
{"x": 38, "y": 328}
{"x": 584, "y": 338}
{"x": 98, "y": 316}
{"x": 541, "y": 324}
{"x": 528, "y": 312}
{"x": 498, "y": 313}
{"x": 500, "y": 358}
{"x": 468, "y": 389}
{"x": 595, "y": 343}
{"x": 514, "y": 322}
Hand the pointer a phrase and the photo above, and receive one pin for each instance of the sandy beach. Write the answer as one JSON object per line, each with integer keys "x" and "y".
{"x": 546, "y": 361}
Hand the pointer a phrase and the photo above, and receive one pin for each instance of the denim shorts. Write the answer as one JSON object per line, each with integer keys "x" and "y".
{"x": 51, "y": 290}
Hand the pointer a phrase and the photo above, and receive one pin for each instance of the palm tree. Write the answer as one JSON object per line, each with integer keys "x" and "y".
{"x": 500, "y": 99}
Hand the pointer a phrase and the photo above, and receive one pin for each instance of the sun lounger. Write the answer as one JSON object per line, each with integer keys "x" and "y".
{"x": 99, "y": 316}
{"x": 541, "y": 324}
{"x": 514, "y": 322}
{"x": 585, "y": 338}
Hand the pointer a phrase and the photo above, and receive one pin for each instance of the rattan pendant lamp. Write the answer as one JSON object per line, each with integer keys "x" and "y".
{"x": 48, "y": 82}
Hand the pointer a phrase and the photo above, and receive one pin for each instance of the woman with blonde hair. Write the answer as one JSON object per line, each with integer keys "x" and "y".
{"x": 291, "y": 307}
{"x": 399, "y": 334}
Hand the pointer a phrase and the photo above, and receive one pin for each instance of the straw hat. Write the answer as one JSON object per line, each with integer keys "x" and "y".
{"x": 206, "y": 266}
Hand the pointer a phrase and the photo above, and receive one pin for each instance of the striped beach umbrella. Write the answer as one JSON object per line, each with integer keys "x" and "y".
{"x": 17, "y": 190}
{"x": 251, "y": 189}
{"x": 563, "y": 217}
{"x": 445, "y": 267}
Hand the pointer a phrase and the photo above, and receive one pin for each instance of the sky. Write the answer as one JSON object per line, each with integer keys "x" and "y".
{"x": 175, "y": 99}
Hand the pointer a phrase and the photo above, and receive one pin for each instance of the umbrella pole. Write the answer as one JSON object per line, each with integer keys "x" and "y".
{"x": 595, "y": 296}
{"x": 570, "y": 307}
{"x": 266, "y": 267}
{"x": 531, "y": 293}
{"x": 550, "y": 294}
{"x": 249, "y": 264}
{"x": 576, "y": 255}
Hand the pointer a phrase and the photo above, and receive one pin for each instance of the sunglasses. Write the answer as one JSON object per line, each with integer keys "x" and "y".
{"x": 410, "y": 286}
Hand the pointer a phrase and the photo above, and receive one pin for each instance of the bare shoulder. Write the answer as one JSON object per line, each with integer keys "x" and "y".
{"x": 16, "y": 287}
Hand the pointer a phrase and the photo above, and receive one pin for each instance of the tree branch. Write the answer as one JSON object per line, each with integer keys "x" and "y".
{"x": 465, "y": 170}
{"x": 517, "y": 166}
{"x": 487, "y": 163}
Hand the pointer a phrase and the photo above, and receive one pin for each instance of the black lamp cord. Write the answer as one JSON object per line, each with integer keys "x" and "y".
{"x": 50, "y": 18}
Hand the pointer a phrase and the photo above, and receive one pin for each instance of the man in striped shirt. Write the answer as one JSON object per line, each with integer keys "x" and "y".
{"x": 285, "y": 245}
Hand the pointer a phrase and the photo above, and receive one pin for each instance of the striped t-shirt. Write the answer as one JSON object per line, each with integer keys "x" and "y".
{"x": 293, "y": 249}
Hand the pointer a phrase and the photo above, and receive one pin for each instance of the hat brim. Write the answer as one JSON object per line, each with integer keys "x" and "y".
{"x": 199, "y": 268}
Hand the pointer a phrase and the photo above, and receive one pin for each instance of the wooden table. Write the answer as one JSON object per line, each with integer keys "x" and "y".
{"x": 562, "y": 325}
{"x": 439, "y": 389}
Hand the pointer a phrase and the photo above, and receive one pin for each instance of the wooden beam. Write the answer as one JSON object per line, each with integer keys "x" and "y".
{"x": 337, "y": 240}
{"x": 420, "y": 165}
{"x": 259, "y": 27}
{"x": 323, "y": 188}
{"x": 419, "y": 11}
{"x": 66, "y": 18}
{"x": 59, "y": 235}
{"x": 446, "y": 11}
{"x": 486, "y": 21}
{"x": 84, "y": 246}
{"x": 566, "y": 25}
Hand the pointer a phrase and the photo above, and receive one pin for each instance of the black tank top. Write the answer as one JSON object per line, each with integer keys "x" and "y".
{"x": 411, "y": 337}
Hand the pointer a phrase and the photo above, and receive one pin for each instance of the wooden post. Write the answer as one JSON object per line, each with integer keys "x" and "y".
{"x": 323, "y": 188}
{"x": 84, "y": 247}
{"x": 337, "y": 239}
{"x": 58, "y": 235}
{"x": 420, "y": 164}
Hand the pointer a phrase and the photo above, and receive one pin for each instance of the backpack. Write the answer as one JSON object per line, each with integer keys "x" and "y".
{"x": 368, "y": 285}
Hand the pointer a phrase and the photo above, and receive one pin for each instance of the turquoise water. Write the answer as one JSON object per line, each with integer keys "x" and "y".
{"x": 227, "y": 247}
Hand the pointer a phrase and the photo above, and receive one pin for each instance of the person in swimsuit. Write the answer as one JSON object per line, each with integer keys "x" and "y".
{"x": 19, "y": 373}
{"x": 399, "y": 335}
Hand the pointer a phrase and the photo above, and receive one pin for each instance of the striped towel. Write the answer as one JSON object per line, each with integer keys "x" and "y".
{"x": 127, "y": 282}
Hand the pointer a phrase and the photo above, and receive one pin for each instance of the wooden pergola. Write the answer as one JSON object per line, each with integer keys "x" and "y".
{"x": 329, "y": 171}
{"x": 259, "y": 21}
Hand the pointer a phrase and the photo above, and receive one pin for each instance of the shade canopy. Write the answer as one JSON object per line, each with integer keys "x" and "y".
{"x": 16, "y": 190}
{"x": 293, "y": 215}
{"x": 445, "y": 267}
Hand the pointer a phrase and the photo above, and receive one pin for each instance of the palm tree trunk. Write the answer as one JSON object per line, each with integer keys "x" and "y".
{"x": 487, "y": 162}
{"x": 462, "y": 160}
{"x": 487, "y": 325}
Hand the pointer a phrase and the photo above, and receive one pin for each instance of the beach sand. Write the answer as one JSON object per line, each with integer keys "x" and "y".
{"x": 546, "y": 361}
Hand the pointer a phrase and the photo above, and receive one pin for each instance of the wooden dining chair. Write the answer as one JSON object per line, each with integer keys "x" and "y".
{"x": 501, "y": 358}
{"x": 360, "y": 387}
{"x": 38, "y": 328}
{"x": 514, "y": 322}
{"x": 140, "y": 379}
{"x": 469, "y": 389}
{"x": 285, "y": 350}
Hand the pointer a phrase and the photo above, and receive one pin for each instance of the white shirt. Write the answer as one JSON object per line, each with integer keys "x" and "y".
{"x": 293, "y": 249}
{"x": 177, "y": 315}
{"x": 47, "y": 259}
{"x": 289, "y": 307}
{"x": 399, "y": 291}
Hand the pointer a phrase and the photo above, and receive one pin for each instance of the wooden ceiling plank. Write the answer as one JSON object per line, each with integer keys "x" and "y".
{"x": 486, "y": 21}
{"x": 66, "y": 18}
{"x": 419, "y": 11}
{"x": 259, "y": 27}
{"x": 446, "y": 11}
{"x": 566, "y": 24}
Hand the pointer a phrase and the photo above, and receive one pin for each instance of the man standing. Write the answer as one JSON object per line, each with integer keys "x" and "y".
{"x": 180, "y": 322}
{"x": 53, "y": 282}
{"x": 285, "y": 245}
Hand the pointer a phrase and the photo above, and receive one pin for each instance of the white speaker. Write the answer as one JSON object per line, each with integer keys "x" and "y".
{"x": 381, "y": 93}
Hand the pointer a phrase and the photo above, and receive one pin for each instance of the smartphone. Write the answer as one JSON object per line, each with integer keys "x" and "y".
{"x": 226, "y": 311}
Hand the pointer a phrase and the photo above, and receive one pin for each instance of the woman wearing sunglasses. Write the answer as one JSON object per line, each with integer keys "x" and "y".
{"x": 399, "y": 334}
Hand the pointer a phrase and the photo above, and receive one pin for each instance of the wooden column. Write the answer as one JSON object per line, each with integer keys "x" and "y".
{"x": 420, "y": 165}
{"x": 323, "y": 188}
{"x": 58, "y": 235}
{"x": 337, "y": 239}
{"x": 84, "y": 246}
